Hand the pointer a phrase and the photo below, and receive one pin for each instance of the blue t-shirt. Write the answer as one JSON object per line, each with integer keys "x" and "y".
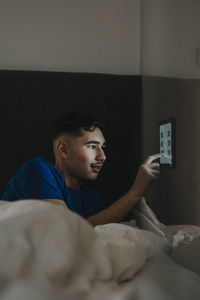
{"x": 37, "y": 178}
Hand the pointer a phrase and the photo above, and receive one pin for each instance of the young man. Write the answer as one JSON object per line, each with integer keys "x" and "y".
{"x": 78, "y": 145}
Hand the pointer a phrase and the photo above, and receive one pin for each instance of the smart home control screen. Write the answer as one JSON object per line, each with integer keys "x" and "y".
{"x": 166, "y": 143}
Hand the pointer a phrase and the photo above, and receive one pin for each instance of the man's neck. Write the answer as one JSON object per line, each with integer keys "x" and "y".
{"x": 72, "y": 183}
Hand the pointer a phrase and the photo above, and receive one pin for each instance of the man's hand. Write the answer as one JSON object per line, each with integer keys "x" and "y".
{"x": 147, "y": 172}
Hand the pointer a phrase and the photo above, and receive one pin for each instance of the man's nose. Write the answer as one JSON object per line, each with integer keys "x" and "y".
{"x": 101, "y": 155}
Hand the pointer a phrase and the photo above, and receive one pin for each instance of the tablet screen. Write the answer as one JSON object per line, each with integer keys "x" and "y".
{"x": 167, "y": 142}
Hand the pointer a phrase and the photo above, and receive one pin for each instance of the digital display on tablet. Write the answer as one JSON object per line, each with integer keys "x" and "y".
{"x": 167, "y": 142}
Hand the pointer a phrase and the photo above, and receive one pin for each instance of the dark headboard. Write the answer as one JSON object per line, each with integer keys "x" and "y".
{"x": 32, "y": 100}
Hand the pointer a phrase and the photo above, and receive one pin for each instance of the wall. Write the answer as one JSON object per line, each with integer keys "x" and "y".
{"x": 171, "y": 87}
{"x": 170, "y": 40}
{"x": 175, "y": 197}
{"x": 70, "y": 35}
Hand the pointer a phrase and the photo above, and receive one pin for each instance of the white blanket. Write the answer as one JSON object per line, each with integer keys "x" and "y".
{"x": 48, "y": 252}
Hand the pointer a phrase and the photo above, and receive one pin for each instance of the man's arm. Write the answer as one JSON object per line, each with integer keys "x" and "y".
{"x": 116, "y": 212}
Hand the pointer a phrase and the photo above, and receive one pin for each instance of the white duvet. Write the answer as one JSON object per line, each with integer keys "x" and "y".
{"x": 48, "y": 252}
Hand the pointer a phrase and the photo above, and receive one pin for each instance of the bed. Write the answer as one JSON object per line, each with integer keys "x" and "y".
{"x": 48, "y": 252}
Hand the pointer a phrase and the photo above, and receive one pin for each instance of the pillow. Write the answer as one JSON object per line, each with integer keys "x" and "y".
{"x": 174, "y": 235}
{"x": 187, "y": 255}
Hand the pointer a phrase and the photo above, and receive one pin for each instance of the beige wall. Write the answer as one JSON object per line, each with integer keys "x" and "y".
{"x": 70, "y": 35}
{"x": 170, "y": 39}
{"x": 102, "y": 36}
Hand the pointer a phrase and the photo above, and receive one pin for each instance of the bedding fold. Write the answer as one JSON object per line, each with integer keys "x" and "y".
{"x": 47, "y": 250}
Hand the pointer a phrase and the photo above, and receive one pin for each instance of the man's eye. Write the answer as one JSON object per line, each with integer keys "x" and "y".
{"x": 91, "y": 146}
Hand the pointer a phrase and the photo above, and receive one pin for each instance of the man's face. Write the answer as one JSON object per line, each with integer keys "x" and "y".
{"x": 86, "y": 155}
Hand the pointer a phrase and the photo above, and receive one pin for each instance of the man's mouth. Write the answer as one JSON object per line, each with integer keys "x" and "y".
{"x": 96, "y": 168}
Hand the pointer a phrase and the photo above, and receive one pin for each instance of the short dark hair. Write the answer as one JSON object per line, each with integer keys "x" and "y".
{"x": 72, "y": 123}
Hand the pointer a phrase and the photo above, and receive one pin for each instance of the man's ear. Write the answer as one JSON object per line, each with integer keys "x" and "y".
{"x": 62, "y": 148}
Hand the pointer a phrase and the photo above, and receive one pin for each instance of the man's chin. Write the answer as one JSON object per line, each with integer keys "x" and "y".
{"x": 93, "y": 176}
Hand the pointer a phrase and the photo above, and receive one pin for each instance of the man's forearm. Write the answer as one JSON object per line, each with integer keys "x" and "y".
{"x": 120, "y": 208}
{"x": 117, "y": 211}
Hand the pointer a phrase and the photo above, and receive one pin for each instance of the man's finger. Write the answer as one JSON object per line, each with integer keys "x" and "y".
{"x": 155, "y": 172}
{"x": 154, "y": 166}
{"x": 154, "y": 176}
{"x": 152, "y": 158}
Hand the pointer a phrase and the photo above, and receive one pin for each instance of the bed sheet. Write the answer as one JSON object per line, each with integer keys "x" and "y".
{"x": 48, "y": 252}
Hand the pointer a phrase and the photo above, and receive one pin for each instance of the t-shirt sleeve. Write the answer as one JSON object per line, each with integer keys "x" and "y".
{"x": 35, "y": 180}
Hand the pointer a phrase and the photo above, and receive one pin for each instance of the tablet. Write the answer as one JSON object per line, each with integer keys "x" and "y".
{"x": 167, "y": 143}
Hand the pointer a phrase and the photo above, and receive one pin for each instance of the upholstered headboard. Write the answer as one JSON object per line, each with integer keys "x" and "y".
{"x": 32, "y": 100}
